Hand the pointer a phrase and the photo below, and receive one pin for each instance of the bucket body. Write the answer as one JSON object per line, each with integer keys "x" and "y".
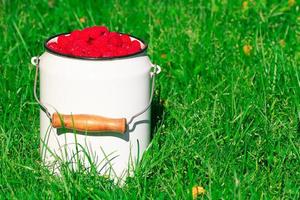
{"x": 114, "y": 88}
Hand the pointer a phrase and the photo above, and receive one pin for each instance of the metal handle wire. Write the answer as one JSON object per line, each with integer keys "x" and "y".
{"x": 36, "y": 61}
{"x": 154, "y": 71}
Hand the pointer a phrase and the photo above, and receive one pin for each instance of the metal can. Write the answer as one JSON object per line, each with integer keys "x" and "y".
{"x": 95, "y": 111}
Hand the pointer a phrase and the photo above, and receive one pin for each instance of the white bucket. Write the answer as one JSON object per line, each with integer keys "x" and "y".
{"x": 81, "y": 90}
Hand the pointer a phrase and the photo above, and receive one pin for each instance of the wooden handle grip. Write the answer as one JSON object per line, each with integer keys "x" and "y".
{"x": 89, "y": 123}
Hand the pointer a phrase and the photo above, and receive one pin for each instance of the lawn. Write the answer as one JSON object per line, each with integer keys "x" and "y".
{"x": 227, "y": 103}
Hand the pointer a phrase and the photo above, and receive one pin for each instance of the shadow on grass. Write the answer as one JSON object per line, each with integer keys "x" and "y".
{"x": 157, "y": 113}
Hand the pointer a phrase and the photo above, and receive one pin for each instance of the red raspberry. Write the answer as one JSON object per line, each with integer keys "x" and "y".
{"x": 56, "y": 47}
{"x": 77, "y": 47}
{"x": 75, "y": 35}
{"x": 108, "y": 51}
{"x": 108, "y": 54}
{"x": 103, "y": 49}
{"x": 94, "y": 32}
{"x": 95, "y": 53}
{"x": 86, "y": 52}
{"x": 85, "y": 35}
{"x": 134, "y": 47}
{"x": 136, "y": 44}
{"x": 101, "y": 41}
{"x": 95, "y": 42}
{"x": 100, "y": 30}
{"x": 125, "y": 39}
{"x": 63, "y": 41}
{"x": 121, "y": 52}
{"x": 53, "y": 46}
{"x": 115, "y": 39}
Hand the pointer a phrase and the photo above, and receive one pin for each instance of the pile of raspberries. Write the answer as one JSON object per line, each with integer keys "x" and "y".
{"x": 95, "y": 42}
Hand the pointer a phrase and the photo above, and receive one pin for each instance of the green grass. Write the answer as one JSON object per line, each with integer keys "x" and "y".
{"x": 226, "y": 121}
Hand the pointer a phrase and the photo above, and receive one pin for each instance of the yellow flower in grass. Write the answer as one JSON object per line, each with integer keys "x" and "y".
{"x": 82, "y": 20}
{"x": 197, "y": 190}
{"x": 245, "y": 5}
{"x": 291, "y": 2}
{"x": 51, "y": 3}
{"x": 247, "y": 49}
{"x": 282, "y": 43}
{"x": 163, "y": 56}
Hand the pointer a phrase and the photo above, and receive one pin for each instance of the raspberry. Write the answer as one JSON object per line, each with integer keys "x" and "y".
{"x": 135, "y": 47}
{"x": 125, "y": 39}
{"x": 100, "y": 30}
{"x": 94, "y": 32}
{"x": 75, "y": 34}
{"x": 95, "y": 42}
{"x": 108, "y": 54}
{"x": 115, "y": 39}
{"x": 101, "y": 41}
{"x": 121, "y": 52}
{"x": 103, "y": 49}
{"x": 63, "y": 41}
{"x": 86, "y": 52}
{"x": 77, "y": 47}
{"x": 52, "y": 45}
{"x": 85, "y": 35}
{"x": 136, "y": 44}
{"x": 95, "y": 53}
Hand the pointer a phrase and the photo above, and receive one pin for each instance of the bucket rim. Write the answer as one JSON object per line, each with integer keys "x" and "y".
{"x": 141, "y": 52}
